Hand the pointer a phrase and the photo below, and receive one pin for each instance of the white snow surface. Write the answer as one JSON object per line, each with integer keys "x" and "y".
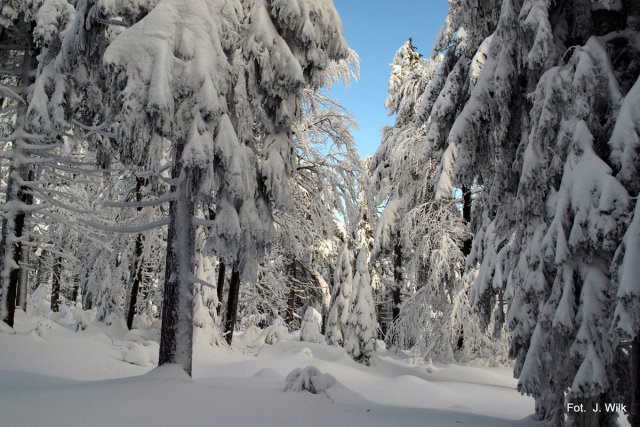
{"x": 81, "y": 378}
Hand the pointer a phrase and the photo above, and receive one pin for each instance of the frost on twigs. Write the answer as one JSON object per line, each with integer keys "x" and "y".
{"x": 309, "y": 379}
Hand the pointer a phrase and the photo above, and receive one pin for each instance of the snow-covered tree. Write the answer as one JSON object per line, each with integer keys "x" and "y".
{"x": 221, "y": 82}
{"x": 323, "y": 187}
{"x": 538, "y": 91}
{"x": 30, "y": 35}
{"x": 340, "y": 298}
{"x": 310, "y": 328}
{"x": 421, "y": 234}
{"x": 360, "y": 335}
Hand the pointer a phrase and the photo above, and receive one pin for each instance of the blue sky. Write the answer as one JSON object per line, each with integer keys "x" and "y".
{"x": 376, "y": 29}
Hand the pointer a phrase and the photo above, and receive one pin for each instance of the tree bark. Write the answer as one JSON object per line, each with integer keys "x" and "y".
{"x": 55, "y": 285}
{"x": 22, "y": 256}
{"x": 397, "y": 279}
{"x": 136, "y": 267}
{"x": 466, "y": 215}
{"x": 232, "y": 305}
{"x": 220, "y": 286}
{"x": 291, "y": 300}
{"x": 291, "y": 305}
{"x": 176, "y": 334}
{"x": 23, "y": 283}
{"x": 136, "y": 264}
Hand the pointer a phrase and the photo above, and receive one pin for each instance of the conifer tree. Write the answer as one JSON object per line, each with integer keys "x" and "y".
{"x": 539, "y": 96}
{"x": 221, "y": 83}
{"x": 340, "y": 299}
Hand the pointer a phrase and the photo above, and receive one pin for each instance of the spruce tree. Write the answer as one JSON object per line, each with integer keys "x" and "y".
{"x": 340, "y": 299}
{"x": 221, "y": 82}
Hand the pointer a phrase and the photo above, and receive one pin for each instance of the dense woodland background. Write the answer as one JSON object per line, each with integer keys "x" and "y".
{"x": 175, "y": 164}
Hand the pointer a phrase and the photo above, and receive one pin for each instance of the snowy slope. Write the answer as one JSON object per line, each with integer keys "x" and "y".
{"x": 57, "y": 377}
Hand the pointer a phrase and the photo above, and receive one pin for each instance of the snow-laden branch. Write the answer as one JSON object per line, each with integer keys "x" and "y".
{"x": 142, "y": 204}
{"x": 134, "y": 229}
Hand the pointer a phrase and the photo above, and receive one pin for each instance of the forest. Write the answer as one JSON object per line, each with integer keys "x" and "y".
{"x": 175, "y": 177}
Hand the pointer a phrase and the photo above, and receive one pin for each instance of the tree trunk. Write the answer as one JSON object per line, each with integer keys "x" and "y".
{"x": 291, "y": 307}
{"x": 23, "y": 283}
{"x": 396, "y": 295}
{"x": 232, "y": 305}
{"x": 136, "y": 267}
{"x": 466, "y": 215}
{"x": 220, "y": 286}
{"x": 22, "y": 255}
{"x": 291, "y": 300}
{"x": 74, "y": 291}
{"x": 176, "y": 335}
{"x": 136, "y": 264}
{"x": 55, "y": 285}
{"x": 466, "y": 246}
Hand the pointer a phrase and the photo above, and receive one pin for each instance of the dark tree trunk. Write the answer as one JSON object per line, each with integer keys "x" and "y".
{"x": 76, "y": 289}
{"x": 40, "y": 268}
{"x": 325, "y": 318}
{"x": 176, "y": 334}
{"x": 232, "y": 305}
{"x": 634, "y": 410}
{"x": 55, "y": 285}
{"x": 12, "y": 230}
{"x": 136, "y": 264}
{"x": 23, "y": 283}
{"x": 136, "y": 267}
{"x": 220, "y": 286}
{"x": 466, "y": 215}
{"x": 87, "y": 297}
{"x": 22, "y": 255}
{"x": 396, "y": 295}
{"x": 466, "y": 245}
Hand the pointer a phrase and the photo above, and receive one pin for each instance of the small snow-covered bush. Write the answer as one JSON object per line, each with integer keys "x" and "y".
{"x": 64, "y": 317}
{"x": 272, "y": 335}
{"x": 311, "y": 325}
{"x": 43, "y": 327}
{"x": 141, "y": 354}
{"x": 251, "y": 334}
{"x": 40, "y": 301}
{"x": 309, "y": 379}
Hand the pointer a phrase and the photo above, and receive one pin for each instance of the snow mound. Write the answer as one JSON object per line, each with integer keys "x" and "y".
{"x": 272, "y": 335}
{"x": 268, "y": 374}
{"x": 251, "y": 334}
{"x": 4, "y": 328}
{"x": 142, "y": 335}
{"x": 305, "y": 352}
{"x": 43, "y": 328}
{"x": 168, "y": 372}
{"x": 141, "y": 354}
{"x": 309, "y": 379}
{"x": 64, "y": 317}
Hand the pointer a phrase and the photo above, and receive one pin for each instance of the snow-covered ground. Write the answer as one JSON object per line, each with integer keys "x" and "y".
{"x": 52, "y": 376}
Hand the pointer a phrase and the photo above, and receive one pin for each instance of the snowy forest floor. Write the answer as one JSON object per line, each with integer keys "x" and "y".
{"x": 50, "y": 375}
